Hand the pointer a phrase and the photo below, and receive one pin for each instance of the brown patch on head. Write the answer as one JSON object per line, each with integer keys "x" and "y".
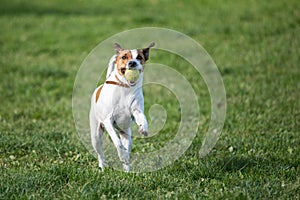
{"x": 122, "y": 59}
{"x": 141, "y": 57}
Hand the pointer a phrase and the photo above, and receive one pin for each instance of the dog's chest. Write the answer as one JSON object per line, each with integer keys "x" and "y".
{"x": 122, "y": 107}
{"x": 122, "y": 118}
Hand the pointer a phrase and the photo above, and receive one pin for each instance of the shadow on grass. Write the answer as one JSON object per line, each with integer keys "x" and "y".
{"x": 239, "y": 163}
{"x": 210, "y": 167}
{"x": 34, "y": 8}
{"x": 235, "y": 163}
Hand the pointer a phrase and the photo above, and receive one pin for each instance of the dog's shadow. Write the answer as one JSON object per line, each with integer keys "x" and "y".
{"x": 245, "y": 163}
{"x": 234, "y": 163}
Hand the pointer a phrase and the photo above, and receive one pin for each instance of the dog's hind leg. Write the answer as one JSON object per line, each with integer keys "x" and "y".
{"x": 97, "y": 131}
{"x": 127, "y": 142}
{"x": 126, "y": 139}
{"x": 122, "y": 151}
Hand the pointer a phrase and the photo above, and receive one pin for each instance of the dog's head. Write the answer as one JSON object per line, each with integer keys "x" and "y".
{"x": 131, "y": 59}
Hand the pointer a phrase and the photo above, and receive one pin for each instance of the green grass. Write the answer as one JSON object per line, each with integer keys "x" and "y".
{"x": 256, "y": 46}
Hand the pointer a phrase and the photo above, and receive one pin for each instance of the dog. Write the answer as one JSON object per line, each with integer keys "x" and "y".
{"x": 118, "y": 102}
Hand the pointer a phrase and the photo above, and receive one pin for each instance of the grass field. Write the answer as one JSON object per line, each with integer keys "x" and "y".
{"x": 256, "y": 46}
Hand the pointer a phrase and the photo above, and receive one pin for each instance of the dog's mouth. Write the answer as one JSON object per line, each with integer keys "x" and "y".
{"x": 123, "y": 70}
{"x": 131, "y": 83}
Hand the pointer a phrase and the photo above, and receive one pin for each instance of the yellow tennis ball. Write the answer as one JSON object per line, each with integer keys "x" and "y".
{"x": 132, "y": 75}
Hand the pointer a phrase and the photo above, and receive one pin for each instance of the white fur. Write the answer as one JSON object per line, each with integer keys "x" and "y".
{"x": 134, "y": 53}
{"x": 111, "y": 66}
{"x": 114, "y": 110}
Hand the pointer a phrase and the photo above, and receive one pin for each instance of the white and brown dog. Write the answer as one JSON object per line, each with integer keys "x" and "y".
{"x": 116, "y": 103}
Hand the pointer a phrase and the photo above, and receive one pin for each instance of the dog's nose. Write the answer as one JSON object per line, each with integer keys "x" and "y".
{"x": 132, "y": 64}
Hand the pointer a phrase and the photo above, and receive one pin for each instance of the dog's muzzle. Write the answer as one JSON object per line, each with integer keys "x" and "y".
{"x": 132, "y": 64}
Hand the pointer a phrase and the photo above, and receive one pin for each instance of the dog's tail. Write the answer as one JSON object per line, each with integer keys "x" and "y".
{"x": 111, "y": 66}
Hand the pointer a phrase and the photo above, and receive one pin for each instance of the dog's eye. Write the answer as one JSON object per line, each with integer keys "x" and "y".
{"x": 139, "y": 57}
{"x": 124, "y": 57}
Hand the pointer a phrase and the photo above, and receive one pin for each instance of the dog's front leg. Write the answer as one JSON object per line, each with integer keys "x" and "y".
{"x": 122, "y": 151}
{"x": 141, "y": 121}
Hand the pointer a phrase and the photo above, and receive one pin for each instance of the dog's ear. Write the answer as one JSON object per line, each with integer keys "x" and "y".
{"x": 146, "y": 50}
{"x": 118, "y": 48}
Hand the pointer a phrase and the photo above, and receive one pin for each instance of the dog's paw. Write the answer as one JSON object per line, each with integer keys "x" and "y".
{"x": 102, "y": 167}
{"x": 123, "y": 155}
{"x": 126, "y": 167}
{"x": 143, "y": 131}
{"x": 101, "y": 162}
